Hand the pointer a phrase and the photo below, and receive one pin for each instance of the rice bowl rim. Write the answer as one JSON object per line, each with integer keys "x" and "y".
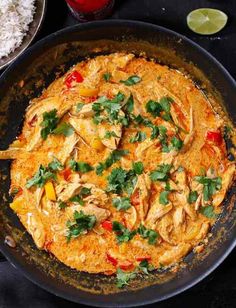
{"x": 34, "y": 27}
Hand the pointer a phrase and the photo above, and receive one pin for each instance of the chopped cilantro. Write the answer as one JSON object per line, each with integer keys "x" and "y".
{"x": 123, "y": 278}
{"x": 131, "y": 80}
{"x": 120, "y": 179}
{"x": 49, "y": 123}
{"x": 145, "y": 267}
{"x": 111, "y": 106}
{"x": 63, "y": 129}
{"x": 85, "y": 191}
{"x": 107, "y": 76}
{"x": 121, "y": 204}
{"x": 138, "y": 167}
{"x": 55, "y": 165}
{"x": 79, "y": 106}
{"x": 41, "y": 177}
{"x": 176, "y": 143}
{"x": 162, "y": 173}
{"x": 192, "y": 198}
{"x": 155, "y": 132}
{"x": 154, "y": 108}
{"x": 80, "y": 224}
{"x": 112, "y": 158}
{"x": 149, "y": 234}
{"x": 80, "y": 166}
{"x": 109, "y": 134}
{"x": 165, "y": 103}
{"x": 116, "y": 180}
{"x": 163, "y": 198}
{"x": 161, "y": 108}
{"x": 77, "y": 199}
{"x": 208, "y": 211}
{"x": 139, "y": 137}
{"x": 122, "y": 233}
{"x": 62, "y": 205}
{"x": 129, "y": 106}
{"x": 210, "y": 185}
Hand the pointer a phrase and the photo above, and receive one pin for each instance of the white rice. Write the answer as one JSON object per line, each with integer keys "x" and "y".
{"x": 15, "y": 17}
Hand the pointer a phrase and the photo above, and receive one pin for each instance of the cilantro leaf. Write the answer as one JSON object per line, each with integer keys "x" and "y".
{"x": 129, "y": 106}
{"x": 154, "y": 108}
{"x": 122, "y": 233}
{"x": 55, "y": 165}
{"x": 149, "y": 234}
{"x": 120, "y": 179}
{"x": 77, "y": 199}
{"x": 107, "y": 76}
{"x": 139, "y": 137}
{"x": 192, "y": 198}
{"x": 80, "y": 224}
{"x": 111, "y": 106}
{"x": 79, "y": 106}
{"x": 109, "y": 134}
{"x": 80, "y": 166}
{"x": 62, "y": 205}
{"x": 63, "y": 129}
{"x": 138, "y": 167}
{"x": 145, "y": 267}
{"x": 112, "y": 158}
{"x": 123, "y": 278}
{"x": 155, "y": 132}
{"x": 131, "y": 80}
{"x": 121, "y": 204}
{"x": 163, "y": 198}
{"x": 49, "y": 123}
{"x": 210, "y": 186}
{"x": 162, "y": 173}
{"x": 116, "y": 180}
{"x": 85, "y": 191}
{"x": 208, "y": 211}
{"x": 176, "y": 143}
{"x": 41, "y": 177}
{"x": 165, "y": 103}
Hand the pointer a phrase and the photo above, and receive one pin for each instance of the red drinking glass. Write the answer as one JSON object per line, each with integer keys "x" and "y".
{"x": 86, "y": 10}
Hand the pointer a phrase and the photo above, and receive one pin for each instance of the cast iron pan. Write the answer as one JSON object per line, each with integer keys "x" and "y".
{"x": 38, "y": 67}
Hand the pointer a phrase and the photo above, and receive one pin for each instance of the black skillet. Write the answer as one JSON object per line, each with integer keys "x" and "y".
{"x": 38, "y": 67}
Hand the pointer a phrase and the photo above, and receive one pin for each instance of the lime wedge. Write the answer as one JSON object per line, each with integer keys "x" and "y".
{"x": 206, "y": 21}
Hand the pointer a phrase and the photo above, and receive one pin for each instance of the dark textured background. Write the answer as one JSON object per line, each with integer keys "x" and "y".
{"x": 219, "y": 289}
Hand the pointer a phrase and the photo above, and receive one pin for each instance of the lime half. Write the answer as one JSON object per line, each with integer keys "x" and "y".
{"x": 206, "y": 21}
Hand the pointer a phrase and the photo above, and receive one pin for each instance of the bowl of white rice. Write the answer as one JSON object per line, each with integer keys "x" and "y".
{"x": 20, "y": 20}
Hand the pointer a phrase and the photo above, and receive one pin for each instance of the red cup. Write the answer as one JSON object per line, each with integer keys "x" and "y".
{"x": 87, "y": 10}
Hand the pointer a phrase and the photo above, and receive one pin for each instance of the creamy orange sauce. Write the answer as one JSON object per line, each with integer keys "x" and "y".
{"x": 180, "y": 225}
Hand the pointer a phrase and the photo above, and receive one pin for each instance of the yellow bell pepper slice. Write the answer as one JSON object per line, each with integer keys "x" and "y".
{"x": 16, "y": 205}
{"x": 88, "y": 92}
{"x": 50, "y": 191}
{"x": 97, "y": 144}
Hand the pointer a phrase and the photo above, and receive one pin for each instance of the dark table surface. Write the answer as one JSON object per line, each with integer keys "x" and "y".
{"x": 218, "y": 289}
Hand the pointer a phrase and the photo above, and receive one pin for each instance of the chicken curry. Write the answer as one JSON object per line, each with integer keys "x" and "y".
{"x": 121, "y": 167}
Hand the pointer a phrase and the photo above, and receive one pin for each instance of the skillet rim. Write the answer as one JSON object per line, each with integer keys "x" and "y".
{"x": 100, "y": 300}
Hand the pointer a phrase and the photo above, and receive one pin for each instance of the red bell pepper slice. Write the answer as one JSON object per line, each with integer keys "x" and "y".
{"x": 148, "y": 258}
{"x": 112, "y": 259}
{"x": 107, "y": 225}
{"x": 75, "y": 76}
{"x": 126, "y": 265}
{"x": 66, "y": 173}
{"x": 214, "y": 136}
{"x": 33, "y": 120}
